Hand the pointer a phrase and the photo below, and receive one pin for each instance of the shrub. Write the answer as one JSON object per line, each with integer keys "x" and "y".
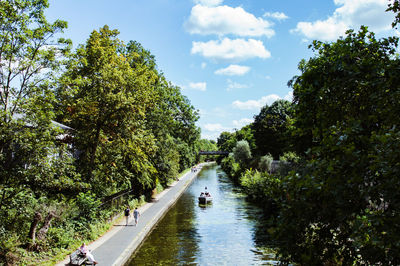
{"x": 265, "y": 163}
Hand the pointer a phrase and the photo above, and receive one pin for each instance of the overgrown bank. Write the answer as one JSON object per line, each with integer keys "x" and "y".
{"x": 335, "y": 198}
{"x": 121, "y": 127}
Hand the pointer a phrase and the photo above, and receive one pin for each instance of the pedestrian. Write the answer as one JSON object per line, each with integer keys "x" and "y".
{"x": 127, "y": 214}
{"x": 136, "y": 215}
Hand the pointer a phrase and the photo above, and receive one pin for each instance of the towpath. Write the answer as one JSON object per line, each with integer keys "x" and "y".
{"x": 116, "y": 246}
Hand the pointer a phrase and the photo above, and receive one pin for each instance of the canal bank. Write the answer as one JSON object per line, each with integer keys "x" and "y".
{"x": 117, "y": 245}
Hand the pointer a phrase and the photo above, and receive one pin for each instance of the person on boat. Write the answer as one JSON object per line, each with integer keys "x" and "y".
{"x": 202, "y": 194}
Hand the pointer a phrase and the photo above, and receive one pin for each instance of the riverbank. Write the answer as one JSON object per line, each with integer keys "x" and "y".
{"x": 116, "y": 246}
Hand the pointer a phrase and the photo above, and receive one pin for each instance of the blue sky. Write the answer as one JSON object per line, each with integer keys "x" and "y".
{"x": 230, "y": 57}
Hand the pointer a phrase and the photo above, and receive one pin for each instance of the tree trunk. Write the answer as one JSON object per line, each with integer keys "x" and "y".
{"x": 41, "y": 234}
{"x": 32, "y": 231}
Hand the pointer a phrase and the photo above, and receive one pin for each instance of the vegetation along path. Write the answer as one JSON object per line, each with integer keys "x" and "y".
{"x": 115, "y": 247}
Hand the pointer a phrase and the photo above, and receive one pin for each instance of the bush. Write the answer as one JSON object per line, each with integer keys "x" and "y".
{"x": 230, "y": 167}
{"x": 88, "y": 205}
{"x": 265, "y": 163}
{"x": 260, "y": 187}
{"x": 287, "y": 162}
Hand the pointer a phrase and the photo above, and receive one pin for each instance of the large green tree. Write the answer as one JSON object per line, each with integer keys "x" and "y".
{"x": 105, "y": 98}
{"x": 343, "y": 206}
{"x": 32, "y": 174}
{"x": 172, "y": 118}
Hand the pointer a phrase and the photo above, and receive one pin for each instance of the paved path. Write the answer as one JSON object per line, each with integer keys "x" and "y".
{"x": 117, "y": 245}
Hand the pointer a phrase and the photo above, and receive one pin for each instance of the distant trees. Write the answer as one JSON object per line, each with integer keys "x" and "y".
{"x": 271, "y": 128}
{"x": 257, "y": 144}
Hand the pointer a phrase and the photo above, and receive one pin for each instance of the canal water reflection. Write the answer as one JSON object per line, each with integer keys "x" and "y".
{"x": 226, "y": 232}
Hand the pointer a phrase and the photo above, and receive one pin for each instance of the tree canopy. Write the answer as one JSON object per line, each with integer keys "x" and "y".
{"x": 126, "y": 130}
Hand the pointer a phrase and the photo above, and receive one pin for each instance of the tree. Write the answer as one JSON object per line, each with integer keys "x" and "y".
{"x": 105, "y": 98}
{"x": 242, "y": 153}
{"x": 394, "y": 6}
{"x": 342, "y": 207}
{"x": 27, "y": 53}
{"x": 226, "y": 141}
{"x": 271, "y": 128}
{"x": 30, "y": 143}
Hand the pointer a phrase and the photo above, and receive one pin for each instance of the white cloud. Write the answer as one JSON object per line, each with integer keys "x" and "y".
{"x": 233, "y": 70}
{"x": 215, "y": 127}
{"x": 289, "y": 96}
{"x": 208, "y": 2}
{"x": 276, "y": 15}
{"x": 258, "y": 104}
{"x": 349, "y": 14}
{"x": 242, "y": 122}
{"x": 203, "y": 65}
{"x": 231, "y": 50}
{"x": 222, "y": 20}
{"x": 201, "y": 86}
{"x": 213, "y": 136}
{"x": 234, "y": 85}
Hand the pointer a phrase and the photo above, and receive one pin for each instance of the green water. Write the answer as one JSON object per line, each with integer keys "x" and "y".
{"x": 227, "y": 232}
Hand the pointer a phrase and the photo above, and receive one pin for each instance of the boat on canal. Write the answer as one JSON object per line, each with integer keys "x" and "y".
{"x": 205, "y": 197}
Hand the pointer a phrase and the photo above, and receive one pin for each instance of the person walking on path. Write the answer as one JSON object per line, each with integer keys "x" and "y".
{"x": 127, "y": 214}
{"x": 136, "y": 215}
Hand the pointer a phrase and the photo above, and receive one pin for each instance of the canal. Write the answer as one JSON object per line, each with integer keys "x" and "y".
{"x": 226, "y": 232}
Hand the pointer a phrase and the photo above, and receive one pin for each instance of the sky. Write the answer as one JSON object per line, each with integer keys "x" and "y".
{"x": 230, "y": 57}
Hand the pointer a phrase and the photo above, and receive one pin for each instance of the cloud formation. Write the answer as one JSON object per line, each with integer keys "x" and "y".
{"x": 231, "y": 50}
{"x": 215, "y": 127}
{"x": 234, "y": 85}
{"x": 242, "y": 122}
{"x": 276, "y": 15}
{"x": 233, "y": 70}
{"x": 258, "y": 104}
{"x": 223, "y": 20}
{"x": 208, "y": 2}
{"x": 200, "y": 86}
{"x": 349, "y": 14}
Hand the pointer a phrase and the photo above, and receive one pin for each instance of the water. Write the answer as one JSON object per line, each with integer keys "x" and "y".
{"x": 226, "y": 232}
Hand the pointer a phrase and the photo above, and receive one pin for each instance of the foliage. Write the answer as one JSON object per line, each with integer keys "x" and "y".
{"x": 87, "y": 204}
{"x": 206, "y": 145}
{"x": 342, "y": 206}
{"x": 33, "y": 171}
{"x": 230, "y": 167}
{"x": 105, "y": 100}
{"x": 260, "y": 187}
{"x": 171, "y": 120}
{"x": 28, "y": 53}
{"x": 394, "y": 6}
{"x": 226, "y": 141}
{"x": 272, "y": 128}
{"x": 129, "y": 129}
{"x": 242, "y": 153}
{"x": 265, "y": 163}
{"x": 287, "y": 162}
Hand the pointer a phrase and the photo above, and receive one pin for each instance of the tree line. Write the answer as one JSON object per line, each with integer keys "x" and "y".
{"x": 77, "y": 126}
{"x": 335, "y": 198}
